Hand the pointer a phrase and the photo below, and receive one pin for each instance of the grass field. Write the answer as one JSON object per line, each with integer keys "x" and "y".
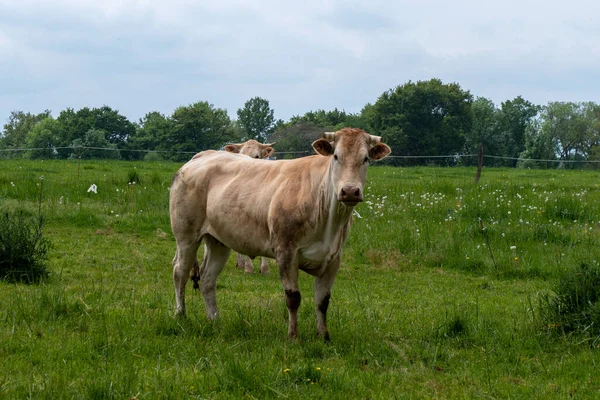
{"x": 439, "y": 294}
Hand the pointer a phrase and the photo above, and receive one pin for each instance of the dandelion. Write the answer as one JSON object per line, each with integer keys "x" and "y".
{"x": 93, "y": 188}
{"x": 318, "y": 368}
{"x": 286, "y": 370}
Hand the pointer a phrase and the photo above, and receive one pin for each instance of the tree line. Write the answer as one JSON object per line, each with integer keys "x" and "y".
{"x": 417, "y": 119}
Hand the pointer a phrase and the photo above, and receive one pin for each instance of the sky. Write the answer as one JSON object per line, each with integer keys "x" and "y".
{"x": 139, "y": 56}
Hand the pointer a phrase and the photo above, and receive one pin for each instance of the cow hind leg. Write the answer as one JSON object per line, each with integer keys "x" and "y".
{"x": 185, "y": 257}
{"x": 216, "y": 254}
{"x": 323, "y": 285}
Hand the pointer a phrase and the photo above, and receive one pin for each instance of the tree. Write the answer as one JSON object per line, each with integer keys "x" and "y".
{"x": 514, "y": 117}
{"x": 256, "y": 119}
{"x": 199, "y": 126}
{"x": 74, "y": 125}
{"x": 151, "y": 134}
{"x": 296, "y": 138}
{"x": 539, "y": 145}
{"x": 16, "y": 129}
{"x": 574, "y": 128}
{"x": 95, "y": 138}
{"x": 117, "y": 127}
{"x": 43, "y": 139}
{"x": 485, "y": 130}
{"x": 422, "y": 118}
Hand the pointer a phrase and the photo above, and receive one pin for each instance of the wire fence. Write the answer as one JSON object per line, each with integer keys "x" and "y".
{"x": 296, "y": 154}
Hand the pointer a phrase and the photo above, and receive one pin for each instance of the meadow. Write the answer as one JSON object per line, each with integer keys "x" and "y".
{"x": 440, "y": 293}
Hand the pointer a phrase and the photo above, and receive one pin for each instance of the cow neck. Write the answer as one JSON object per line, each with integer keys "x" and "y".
{"x": 336, "y": 214}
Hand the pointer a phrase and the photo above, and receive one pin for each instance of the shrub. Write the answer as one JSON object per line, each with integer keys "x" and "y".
{"x": 23, "y": 249}
{"x": 153, "y": 156}
{"x": 133, "y": 177}
{"x": 575, "y": 304}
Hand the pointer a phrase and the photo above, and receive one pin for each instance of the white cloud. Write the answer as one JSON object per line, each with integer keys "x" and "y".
{"x": 141, "y": 56}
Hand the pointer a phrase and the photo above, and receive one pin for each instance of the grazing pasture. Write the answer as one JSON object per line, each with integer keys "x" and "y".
{"x": 438, "y": 296}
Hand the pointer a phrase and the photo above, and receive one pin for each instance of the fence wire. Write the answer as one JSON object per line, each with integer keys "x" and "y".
{"x": 448, "y": 156}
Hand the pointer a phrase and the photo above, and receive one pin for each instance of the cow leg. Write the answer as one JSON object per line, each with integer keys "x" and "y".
{"x": 249, "y": 267}
{"x": 323, "y": 286}
{"x": 185, "y": 258}
{"x": 241, "y": 261}
{"x": 264, "y": 265}
{"x": 288, "y": 273}
{"x": 216, "y": 257}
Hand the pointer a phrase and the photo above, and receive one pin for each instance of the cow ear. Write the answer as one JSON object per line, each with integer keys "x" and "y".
{"x": 323, "y": 147}
{"x": 232, "y": 148}
{"x": 267, "y": 152}
{"x": 379, "y": 151}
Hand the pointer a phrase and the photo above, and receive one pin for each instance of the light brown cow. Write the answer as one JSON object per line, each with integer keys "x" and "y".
{"x": 252, "y": 149}
{"x": 296, "y": 211}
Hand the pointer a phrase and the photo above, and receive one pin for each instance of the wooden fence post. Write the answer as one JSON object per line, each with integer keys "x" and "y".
{"x": 479, "y": 163}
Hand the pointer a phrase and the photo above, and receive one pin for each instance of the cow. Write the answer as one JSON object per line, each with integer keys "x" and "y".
{"x": 298, "y": 212}
{"x": 252, "y": 149}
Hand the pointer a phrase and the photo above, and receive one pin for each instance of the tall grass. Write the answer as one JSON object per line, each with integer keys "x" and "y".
{"x": 419, "y": 309}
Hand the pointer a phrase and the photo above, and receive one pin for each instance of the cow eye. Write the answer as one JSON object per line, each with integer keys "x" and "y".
{"x": 366, "y": 160}
{"x": 335, "y": 157}
{"x": 256, "y": 157}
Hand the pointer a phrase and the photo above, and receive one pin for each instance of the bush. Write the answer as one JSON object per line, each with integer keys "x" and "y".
{"x": 153, "y": 156}
{"x": 133, "y": 177}
{"x": 23, "y": 249}
{"x": 575, "y": 305}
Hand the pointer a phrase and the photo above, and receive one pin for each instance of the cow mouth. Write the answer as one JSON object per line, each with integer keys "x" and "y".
{"x": 350, "y": 203}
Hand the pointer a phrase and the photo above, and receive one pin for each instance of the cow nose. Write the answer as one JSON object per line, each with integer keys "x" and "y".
{"x": 351, "y": 194}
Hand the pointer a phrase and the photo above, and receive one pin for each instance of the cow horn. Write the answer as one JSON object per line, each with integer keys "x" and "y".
{"x": 375, "y": 139}
{"x": 268, "y": 144}
{"x": 330, "y": 136}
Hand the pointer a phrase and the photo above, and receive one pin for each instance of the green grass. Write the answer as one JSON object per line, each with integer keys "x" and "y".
{"x": 419, "y": 309}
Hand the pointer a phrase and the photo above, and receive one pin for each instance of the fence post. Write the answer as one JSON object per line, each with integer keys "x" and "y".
{"x": 479, "y": 163}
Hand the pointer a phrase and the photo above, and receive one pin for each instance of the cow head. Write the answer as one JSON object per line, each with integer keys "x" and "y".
{"x": 350, "y": 150}
{"x": 251, "y": 148}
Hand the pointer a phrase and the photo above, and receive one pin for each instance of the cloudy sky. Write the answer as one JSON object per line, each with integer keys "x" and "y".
{"x": 138, "y": 56}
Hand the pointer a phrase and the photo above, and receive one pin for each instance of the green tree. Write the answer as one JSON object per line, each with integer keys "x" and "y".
{"x": 514, "y": 116}
{"x": 43, "y": 139}
{"x": 574, "y": 127}
{"x": 94, "y": 145}
{"x": 75, "y": 125}
{"x": 296, "y": 139}
{"x": 485, "y": 130}
{"x": 539, "y": 145}
{"x": 117, "y": 127}
{"x": 151, "y": 134}
{"x": 330, "y": 120}
{"x": 256, "y": 119}
{"x": 16, "y": 129}
{"x": 422, "y": 118}
{"x": 199, "y": 126}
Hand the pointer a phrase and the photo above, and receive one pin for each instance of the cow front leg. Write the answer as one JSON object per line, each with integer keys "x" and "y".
{"x": 185, "y": 258}
{"x": 288, "y": 273}
{"x": 240, "y": 261}
{"x": 216, "y": 254}
{"x": 264, "y": 265}
{"x": 323, "y": 285}
{"x": 249, "y": 268}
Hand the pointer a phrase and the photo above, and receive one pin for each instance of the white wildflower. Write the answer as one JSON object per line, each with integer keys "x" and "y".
{"x": 93, "y": 188}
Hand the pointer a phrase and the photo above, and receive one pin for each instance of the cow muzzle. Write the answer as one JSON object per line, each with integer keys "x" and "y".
{"x": 350, "y": 195}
